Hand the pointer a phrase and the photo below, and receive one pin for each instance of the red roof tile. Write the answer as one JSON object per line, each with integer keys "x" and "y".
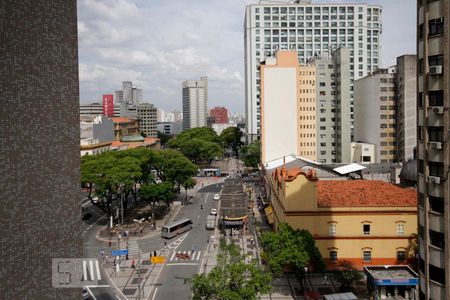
{"x": 292, "y": 173}
{"x": 335, "y": 193}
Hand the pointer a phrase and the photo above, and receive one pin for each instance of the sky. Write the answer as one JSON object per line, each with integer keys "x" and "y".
{"x": 157, "y": 44}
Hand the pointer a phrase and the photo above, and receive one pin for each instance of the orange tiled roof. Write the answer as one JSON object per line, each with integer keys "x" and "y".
{"x": 151, "y": 140}
{"x": 292, "y": 173}
{"x": 117, "y": 144}
{"x": 363, "y": 193}
{"x": 120, "y": 120}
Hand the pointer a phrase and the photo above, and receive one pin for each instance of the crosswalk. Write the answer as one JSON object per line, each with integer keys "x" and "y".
{"x": 133, "y": 248}
{"x": 91, "y": 270}
{"x": 185, "y": 255}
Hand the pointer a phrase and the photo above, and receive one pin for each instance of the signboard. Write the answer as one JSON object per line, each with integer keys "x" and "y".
{"x": 158, "y": 259}
{"x": 119, "y": 252}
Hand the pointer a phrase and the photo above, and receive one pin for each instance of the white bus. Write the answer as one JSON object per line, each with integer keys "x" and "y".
{"x": 175, "y": 228}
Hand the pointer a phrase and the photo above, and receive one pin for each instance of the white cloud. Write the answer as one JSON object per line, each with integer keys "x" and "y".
{"x": 158, "y": 43}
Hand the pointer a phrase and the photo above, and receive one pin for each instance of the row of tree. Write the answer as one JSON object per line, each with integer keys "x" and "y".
{"x": 202, "y": 145}
{"x": 119, "y": 175}
{"x": 232, "y": 278}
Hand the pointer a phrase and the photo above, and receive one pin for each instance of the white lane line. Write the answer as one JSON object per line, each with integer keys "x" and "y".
{"x": 97, "y": 267}
{"x": 84, "y": 270}
{"x": 98, "y": 286}
{"x": 173, "y": 255}
{"x": 154, "y": 295}
{"x": 198, "y": 255}
{"x": 91, "y": 269}
{"x": 182, "y": 264}
{"x": 198, "y": 217}
{"x": 90, "y": 293}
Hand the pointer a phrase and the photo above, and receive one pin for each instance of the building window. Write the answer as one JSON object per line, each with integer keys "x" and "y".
{"x": 400, "y": 228}
{"x": 437, "y": 239}
{"x": 436, "y": 169}
{"x": 333, "y": 256}
{"x": 366, "y": 229}
{"x": 401, "y": 256}
{"x": 436, "y": 27}
{"x": 367, "y": 256}
{"x": 332, "y": 229}
{"x": 435, "y": 98}
{"x": 437, "y": 274}
{"x": 436, "y": 204}
{"x": 436, "y": 134}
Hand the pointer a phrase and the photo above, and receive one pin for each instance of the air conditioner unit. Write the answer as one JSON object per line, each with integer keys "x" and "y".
{"x": 435, "y": 70}
{"x": 439, "y": 110}
{"x": 434, "y": 179}
{"x": 436, "y": 145}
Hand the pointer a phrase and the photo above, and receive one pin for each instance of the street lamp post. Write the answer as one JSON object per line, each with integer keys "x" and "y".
{"x": 139, "y": 222}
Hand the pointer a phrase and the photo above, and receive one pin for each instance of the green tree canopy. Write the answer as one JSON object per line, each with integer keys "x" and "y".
{"x": 231, "y": 138}
{"x": 153, "y": 193}
{"x": 347, "y": 275}
{"x": 251, "y": 154}
{"x": 291, "y": 248}
{"x": 231, "y": 279}
{"x": 164, "y": 138}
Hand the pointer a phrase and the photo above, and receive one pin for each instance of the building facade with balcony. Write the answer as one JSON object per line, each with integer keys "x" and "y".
{"x": 433, "y": 151}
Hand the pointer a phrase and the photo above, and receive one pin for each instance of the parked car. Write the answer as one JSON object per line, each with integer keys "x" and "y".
{"x": 86, "y": 294}
{"x": 216, "y": 197}
{"x": 213, "y": 211}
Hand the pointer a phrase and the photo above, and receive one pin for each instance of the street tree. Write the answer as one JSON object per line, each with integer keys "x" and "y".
{"x": 289, "y": 248}
{"x": 153, "y": 193}
{"x": 347, "y": 275}
{"x": 231, "y": 279}
{"x": 188, "y": 184}
{"x": 232, "y": 138}
{"x": 203, "y": 133}
{"x": 164, "y": 138}
{"x": 251, "y": 154}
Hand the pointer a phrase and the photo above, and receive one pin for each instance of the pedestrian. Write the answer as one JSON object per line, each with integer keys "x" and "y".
{"x": 114, "y": 262}
{"x": 102, "y": 253}
{"x": 154, "y": 253}
{"x": 109, "y": 243}
{"x": 132, "y": 264}
{"x": 165, "y": 244}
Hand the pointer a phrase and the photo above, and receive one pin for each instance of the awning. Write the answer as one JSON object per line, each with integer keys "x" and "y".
{"x": 269, "y": 213}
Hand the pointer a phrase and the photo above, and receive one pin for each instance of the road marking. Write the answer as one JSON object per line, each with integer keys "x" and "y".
{"x": 91, "y": 294}
{"x": 154, "y": 295}
{"x": 182, "y": 264}
{"x": 198, "y": 217}
{"x": 98, "y": 270}
{"x": 98, "y": 286}
{"x": 198, "y": 255}
{"x": 173, "y": 255}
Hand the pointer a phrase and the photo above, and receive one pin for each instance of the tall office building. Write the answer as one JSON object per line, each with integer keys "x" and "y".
{"x": 289, "y": 127}
{"x": 147, "y": 114}
{"x": 433, "y": 101}
{"x": 40, "y": 152}
{"x": 129, "y": 95}
{"x": 195, "y": 101}
{"x": 333, "y": 121}
{"x": 95, "y": 109}
{"x": 406, "y": 114}
{"x": 311, "y": 29}
{"x": 375, "y": 113}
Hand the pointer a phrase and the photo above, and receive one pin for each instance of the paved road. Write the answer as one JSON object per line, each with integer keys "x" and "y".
{"x": 173, "y": 281}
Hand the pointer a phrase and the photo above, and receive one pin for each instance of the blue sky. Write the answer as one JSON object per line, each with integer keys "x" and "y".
{"x": 158, "y": 43}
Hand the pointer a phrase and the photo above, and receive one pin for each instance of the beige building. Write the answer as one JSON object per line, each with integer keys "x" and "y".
{"x": 375, "y": 113}
{"x": 147, "y": 119}
{"x": 433, "y": 151}
{"x": 288, "y": 108}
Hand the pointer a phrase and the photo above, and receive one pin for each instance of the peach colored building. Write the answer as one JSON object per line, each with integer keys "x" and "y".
{"x": 125, "y": 127}
{"x": 288, "y": 107}
{"x": 364, "y": 221}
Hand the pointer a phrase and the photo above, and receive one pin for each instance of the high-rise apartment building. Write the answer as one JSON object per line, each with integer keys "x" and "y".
{"x": 406, "y": 115}
{"x": 375, "y": 113}
{"x": 147, "y": 114}
{"x": 433, "y": 125}
{"x": 195, "y": 101}
{"x": 310, "y": 29}
{"x": 333, "y": 122}
{"x": 220, "y": 114}
{"x": 108, "y": 105}
{"x": 40, "y": 152}
{"x": 288, "y": 108}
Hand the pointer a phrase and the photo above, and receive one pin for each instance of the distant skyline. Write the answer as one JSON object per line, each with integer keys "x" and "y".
{"x": 157, "y": 44}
